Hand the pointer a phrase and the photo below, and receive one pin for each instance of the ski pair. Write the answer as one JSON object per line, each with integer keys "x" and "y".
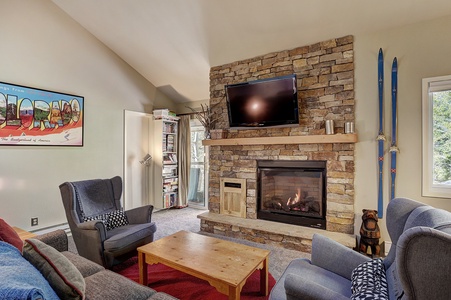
{"x": 381, "y": 137}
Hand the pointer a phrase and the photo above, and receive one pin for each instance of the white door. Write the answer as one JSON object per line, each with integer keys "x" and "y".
{"x": 137, "y": 177}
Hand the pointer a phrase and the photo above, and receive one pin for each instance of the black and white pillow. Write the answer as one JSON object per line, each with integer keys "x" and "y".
{"x": 369, "y": 281}
{"x": 117, "y": 218}
{"x": 98, "y": 217}
{"x": 114, "y": 219}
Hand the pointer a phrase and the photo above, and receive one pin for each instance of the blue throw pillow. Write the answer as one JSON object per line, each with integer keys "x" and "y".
{"x": 28, "y": 283}
{"x": 368, "y": 281}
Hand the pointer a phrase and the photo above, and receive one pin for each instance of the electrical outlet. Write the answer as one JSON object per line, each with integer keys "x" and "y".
{"x": 34, "y": 221}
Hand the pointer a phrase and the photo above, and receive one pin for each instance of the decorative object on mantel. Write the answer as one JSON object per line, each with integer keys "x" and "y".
{"x": 329, "y": 126}
{"x": 349, "y": 127}
{"x": 205, "y": 117}
{"x": 217, "y": 134}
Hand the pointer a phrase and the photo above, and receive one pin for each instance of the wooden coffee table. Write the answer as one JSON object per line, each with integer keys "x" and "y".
{"x": 225, "y": 265}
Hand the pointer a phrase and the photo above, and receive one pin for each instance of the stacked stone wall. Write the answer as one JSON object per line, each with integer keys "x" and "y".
{"x": 325, "y": 81}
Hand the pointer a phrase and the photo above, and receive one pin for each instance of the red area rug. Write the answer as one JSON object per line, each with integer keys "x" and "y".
{"x": 187, "y": 287}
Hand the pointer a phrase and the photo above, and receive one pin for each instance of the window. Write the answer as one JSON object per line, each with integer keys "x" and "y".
{"x": 198, "y": 184}
{"x": 437, "y": 137}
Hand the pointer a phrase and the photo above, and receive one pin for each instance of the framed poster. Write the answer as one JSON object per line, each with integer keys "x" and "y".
{"x": 36, "y": 117}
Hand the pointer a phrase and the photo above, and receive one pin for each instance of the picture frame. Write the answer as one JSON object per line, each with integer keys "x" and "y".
{"x": 37, "y": 117}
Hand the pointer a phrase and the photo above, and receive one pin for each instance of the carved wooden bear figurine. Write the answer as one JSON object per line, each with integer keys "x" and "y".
{"x": 370, "y": 233}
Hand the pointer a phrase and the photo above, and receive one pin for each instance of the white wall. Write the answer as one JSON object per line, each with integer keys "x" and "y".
{"x": 42, "y": 47}
{"x": 423, "y": 50}
{"x": 182, "y": 108}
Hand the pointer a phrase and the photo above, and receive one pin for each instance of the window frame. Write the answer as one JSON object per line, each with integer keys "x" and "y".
{"x": 429, "y": 86}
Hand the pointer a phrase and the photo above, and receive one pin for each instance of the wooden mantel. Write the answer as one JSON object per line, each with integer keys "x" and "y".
{"x": 280, "y": 140}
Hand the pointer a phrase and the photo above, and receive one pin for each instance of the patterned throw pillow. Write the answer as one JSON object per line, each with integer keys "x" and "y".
{"x": 369, "y": 281}
{"x": 117, "y": 218}
{"x": 99, "y": 217}
{"x": 114, "y": 219}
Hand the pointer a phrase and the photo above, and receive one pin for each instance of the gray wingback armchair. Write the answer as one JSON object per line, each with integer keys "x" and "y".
{"x": 102, "y": 231}
{"x": 418, "y": 265}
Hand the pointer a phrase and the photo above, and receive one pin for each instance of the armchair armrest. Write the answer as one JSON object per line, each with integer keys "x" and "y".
{"x": 424, "y": 263}
{"x": 297, "y": 287}
{"x": 57, "y": 239}
{"x": 140, "y": 215}
{"x": 333, "y": 256}
{"x": 95, "y": 225}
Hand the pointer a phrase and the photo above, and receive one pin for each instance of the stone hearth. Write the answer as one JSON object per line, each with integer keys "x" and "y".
{"x": 325, "y": 73}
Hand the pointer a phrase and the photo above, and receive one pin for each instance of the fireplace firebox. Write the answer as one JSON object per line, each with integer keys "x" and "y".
{"x": 292, "y": 192}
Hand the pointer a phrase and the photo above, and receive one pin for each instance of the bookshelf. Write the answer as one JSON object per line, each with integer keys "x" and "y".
{"x": 165, "y": 163}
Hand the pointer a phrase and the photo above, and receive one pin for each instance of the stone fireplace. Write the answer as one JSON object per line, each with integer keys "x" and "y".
{"x": 325, "y": 74}
{"x": 292, "y": 192}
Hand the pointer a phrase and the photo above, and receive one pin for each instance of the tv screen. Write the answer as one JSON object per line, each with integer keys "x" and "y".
{"x": 266, "y": 102}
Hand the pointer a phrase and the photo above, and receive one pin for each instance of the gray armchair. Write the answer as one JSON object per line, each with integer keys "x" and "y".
{"x": 102, "y": 231}
{"x": 418, "y": 265}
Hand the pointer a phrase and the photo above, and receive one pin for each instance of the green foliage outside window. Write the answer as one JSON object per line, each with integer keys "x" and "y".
{"x": 442, "y": 136}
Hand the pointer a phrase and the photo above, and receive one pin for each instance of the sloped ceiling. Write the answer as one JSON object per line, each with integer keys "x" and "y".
{"x": 174, "y": 43}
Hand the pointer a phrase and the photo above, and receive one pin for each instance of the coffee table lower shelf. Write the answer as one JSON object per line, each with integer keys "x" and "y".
{"x": 225, "y": 265}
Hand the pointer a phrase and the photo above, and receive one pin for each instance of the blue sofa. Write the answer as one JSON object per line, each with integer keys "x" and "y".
{"x": 418, "y": 265}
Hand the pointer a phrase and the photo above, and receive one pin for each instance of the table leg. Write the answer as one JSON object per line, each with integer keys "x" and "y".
{"x": 264, "y": 277}
{"x": 234, "y": 293}
{"x": 142, "y": 268}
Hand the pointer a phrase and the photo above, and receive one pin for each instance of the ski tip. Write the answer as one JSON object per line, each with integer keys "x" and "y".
{"x": 395, "y": 65}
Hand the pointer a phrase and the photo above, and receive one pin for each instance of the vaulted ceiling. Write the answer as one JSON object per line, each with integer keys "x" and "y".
{"x": 174, "y": 43}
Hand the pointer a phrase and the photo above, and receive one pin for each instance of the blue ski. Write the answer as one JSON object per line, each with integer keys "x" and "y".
{"x": 381, "y": 136}
{"x": 394, "y": 122}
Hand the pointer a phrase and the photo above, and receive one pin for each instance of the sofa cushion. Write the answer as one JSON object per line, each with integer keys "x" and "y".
{"x": 9, "y": 235}
{"x": 109, "y": 285}
{"x": 62, "y": 275}
{"x": 369, "y": 281}
{"x": 85, "y": 266}
{"x": 29, "y": 283}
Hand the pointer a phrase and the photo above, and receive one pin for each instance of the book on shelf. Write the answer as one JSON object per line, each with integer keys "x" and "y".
{"x": 169, "y": 171}
{"x": 169, "y": 127}
{"x": 173, "y": 157}
{"x": 170, "y": 145}
{"x": 170, "y": 199}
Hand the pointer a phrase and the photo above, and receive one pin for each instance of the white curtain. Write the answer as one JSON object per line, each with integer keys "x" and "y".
{"x": 184, "y": 146}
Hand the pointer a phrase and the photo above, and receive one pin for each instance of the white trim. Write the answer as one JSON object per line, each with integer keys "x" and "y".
{"x": 430, "y": 85}
{"x": 64, "y": 226}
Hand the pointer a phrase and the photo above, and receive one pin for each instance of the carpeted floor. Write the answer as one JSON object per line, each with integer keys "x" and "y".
{"x": 170, "y": 221}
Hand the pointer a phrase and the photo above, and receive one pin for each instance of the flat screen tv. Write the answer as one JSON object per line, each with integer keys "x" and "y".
{"x": 265, "y": 102}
